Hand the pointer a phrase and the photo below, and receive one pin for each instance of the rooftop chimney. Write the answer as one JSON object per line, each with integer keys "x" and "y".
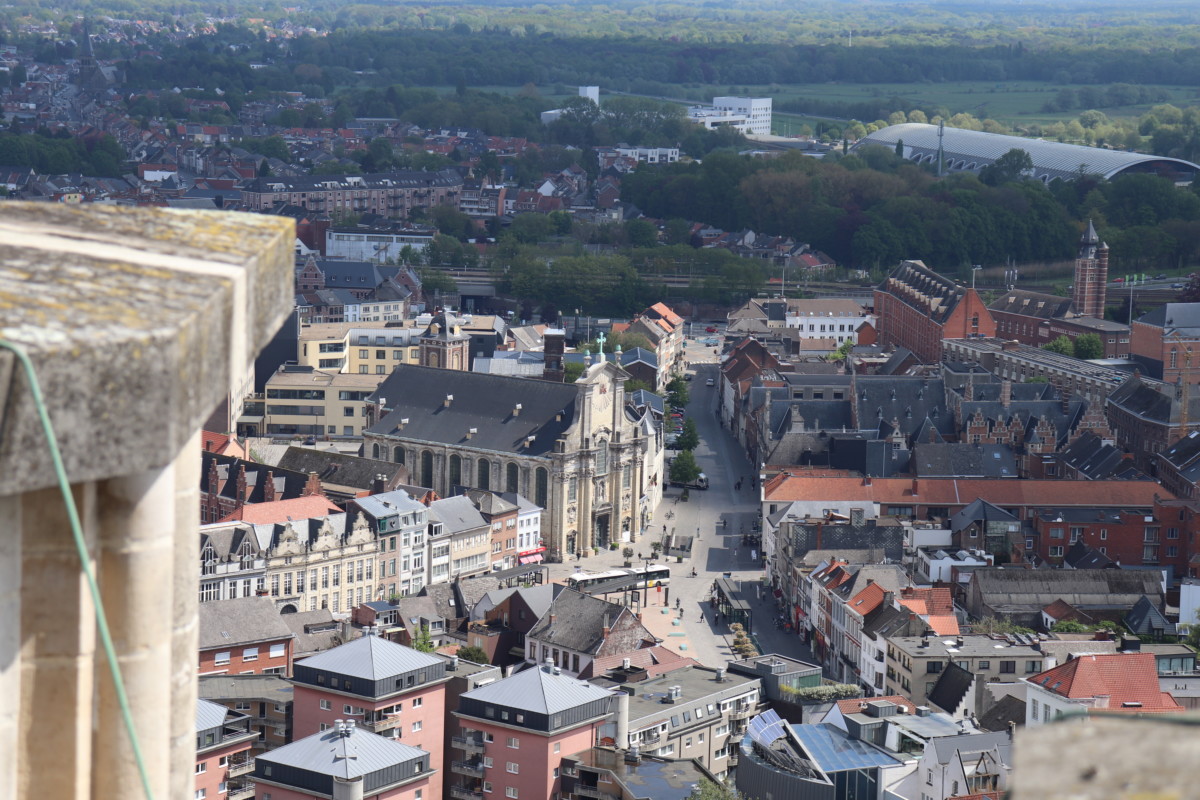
{"x": 517, "y": 410}
{"x": 448, "y": 401}
{"x": 471, "y": 432}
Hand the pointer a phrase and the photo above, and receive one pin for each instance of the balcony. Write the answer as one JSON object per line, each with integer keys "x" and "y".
{"x": 472, "y": 768}
{"x": 741, "y": 712}
{"x": 240, "y": 767}
{"x": 468, "y": 744}
{"x": 465, "y": 793}
{"x": 239, "y": 791}
{"x": 383, "y": 723}
{"x": 593, "y": 791}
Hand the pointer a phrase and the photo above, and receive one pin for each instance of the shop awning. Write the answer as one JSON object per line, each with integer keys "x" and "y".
{"x": 533, "y": 559}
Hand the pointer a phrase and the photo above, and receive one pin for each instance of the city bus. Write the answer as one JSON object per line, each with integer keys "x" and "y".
{"x": 649, "y": 576}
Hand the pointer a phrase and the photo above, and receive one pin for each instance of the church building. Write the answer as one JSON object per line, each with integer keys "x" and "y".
{"x": 580, "y": 451}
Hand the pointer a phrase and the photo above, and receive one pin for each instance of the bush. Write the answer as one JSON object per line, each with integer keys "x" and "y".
{"x": 821, "y": 694}
{"x": 476, "y": 655}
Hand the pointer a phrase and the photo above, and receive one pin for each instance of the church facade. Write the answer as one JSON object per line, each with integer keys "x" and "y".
{"x": 577, "y": 450}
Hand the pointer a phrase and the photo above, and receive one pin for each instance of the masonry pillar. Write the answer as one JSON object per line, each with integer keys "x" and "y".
{"x": 168, "y": 309}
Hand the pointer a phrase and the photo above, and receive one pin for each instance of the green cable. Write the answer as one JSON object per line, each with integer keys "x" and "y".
{"x": 77, "y": 533}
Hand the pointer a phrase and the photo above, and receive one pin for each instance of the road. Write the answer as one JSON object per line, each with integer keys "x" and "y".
{"x": 717, "y": 548}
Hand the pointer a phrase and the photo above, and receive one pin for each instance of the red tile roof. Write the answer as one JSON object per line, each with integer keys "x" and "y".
{"x": 935, "y": 606}
{"x": 856, "y": 705}
{"x": 281, "y": 511}
{"x": 655, "y": 660}
{"x": 213, "y": 442}
{"x": 1129, "y": 680}
{"x": 667, "y": 314}
{"x": 954, "y": 492}
{"x": 867, "y": 600}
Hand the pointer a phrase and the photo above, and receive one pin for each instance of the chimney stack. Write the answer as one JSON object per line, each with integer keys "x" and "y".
{"x": 449, "y": 399}
{"x": 517, "y": 410}
{"x": 1005, "y": 393}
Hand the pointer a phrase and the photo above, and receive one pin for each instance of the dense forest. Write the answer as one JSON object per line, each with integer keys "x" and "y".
{"x": 449, "y": 58}
{"x": 871, "y": 209}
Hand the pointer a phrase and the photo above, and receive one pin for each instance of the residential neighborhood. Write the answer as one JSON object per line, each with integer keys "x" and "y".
{"x": 411, "y": 462}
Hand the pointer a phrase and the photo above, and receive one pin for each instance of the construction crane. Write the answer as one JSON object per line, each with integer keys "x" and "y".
{"x": 1185, "y": 380}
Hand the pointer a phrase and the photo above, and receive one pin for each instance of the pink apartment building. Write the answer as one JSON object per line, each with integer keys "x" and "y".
{"x": 223, "y": 760}
{"x": 379, "y": 686}
{"x": 514, "y": 733}
{"x": 346, "y": 763}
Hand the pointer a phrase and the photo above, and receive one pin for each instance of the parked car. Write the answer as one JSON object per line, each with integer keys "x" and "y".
{"x": 1161, "y": 277}
{"x": 710, "y": 382}
{"x": 1118, "y": 280}
{"x": 710, "y": 329}
{"x": 1176, "y": 285}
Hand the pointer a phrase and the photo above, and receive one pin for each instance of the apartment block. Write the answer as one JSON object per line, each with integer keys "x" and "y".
{"x": 223, "y": 760}
{"x": 914, "y": 663}
{"x": 514, "y": 734}
{"x": 302, "y": 401}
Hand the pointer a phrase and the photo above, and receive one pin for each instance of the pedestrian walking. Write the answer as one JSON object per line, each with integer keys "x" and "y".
{"x": 702, "y": 617}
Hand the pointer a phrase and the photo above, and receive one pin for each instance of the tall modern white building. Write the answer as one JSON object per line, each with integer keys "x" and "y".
{"x": 748, "y": 114}
{"x": 756, "y": 110}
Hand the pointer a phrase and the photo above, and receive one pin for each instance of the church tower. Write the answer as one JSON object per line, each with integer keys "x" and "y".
{"x": 443, "y": 344}
{"x": 1091, "y": 275}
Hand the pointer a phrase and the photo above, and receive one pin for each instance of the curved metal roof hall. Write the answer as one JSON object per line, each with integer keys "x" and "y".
{"x": 971, "y": 151}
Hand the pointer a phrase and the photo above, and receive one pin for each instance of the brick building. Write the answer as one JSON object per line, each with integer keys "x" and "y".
{"x": 388, "y": 194}
{"x": 346, "y": 762}
{"x": 1147, "y": 417}
{"x": 515, "y": 733}
{"x": 1130, "y": 537}
{"x": 1166, "y": 342}
{"x": 1036, "y": 319}
{"x": 917, "y": 308}
{"x": 245, "y": 636}
{"x": 1091, "y": 275}
{"x": 223, "y": 740}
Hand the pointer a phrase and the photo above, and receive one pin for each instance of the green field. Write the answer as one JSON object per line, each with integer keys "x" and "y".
{"x": 1014, "y": 102}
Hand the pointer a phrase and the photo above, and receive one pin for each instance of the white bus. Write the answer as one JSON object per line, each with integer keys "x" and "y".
{"x": 648, "y": 576}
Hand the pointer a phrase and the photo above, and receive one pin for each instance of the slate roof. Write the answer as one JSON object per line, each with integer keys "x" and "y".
{"x": 1082, "y": 588}
{"x": 1172, "y": 317}
{"x": 906, "y": 400}
{"x": 316, "y": 631}
{"x": 579, "y": 621}
{"x": 245, "y": 687}
{"x": 456, "y": 514}
{"x": 484, "y": 402}
{"x": 1080, "y": 556}
{"x": 951, "y": 687}
{"x": 1130, "y": 680}
{"x": 371, "y": 658}
{"x": 287, "y": 483}
{"x": 963, "y": 460}
{"x": 924, "y": 281}
{"x": 1033, "y": 304}
{"x": 979, "y": 510}
{"x": 230, "y": 623}
{"x": 354, "y": 756}
{"x": 339, "y": 469}
{"x": 1145, "y": 619}
{"x": 1184, "y": 456}
{"x": 1028, "y": 413}
{"x": 900, "y": 359}
{"x": 948, "y": 747}
{"x": 539, "y": 690}
{"x": 1095, "y": 459}
{"x": 1152, "y": 402}
{"x": 997, "y": 718}
{"x": 886, "y": 621}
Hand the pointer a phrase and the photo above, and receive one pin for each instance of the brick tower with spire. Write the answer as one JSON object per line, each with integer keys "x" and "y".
{"x": 1091, "y": 275}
